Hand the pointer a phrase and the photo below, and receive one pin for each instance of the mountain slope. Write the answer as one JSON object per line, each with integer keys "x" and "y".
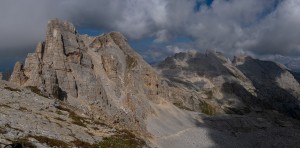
{"x": 275, "y": 85}
{"x": 240, "y": 87}
{"x": 213, "y": 80}
{"x": 93, "y": 80}
{"x": 36, "y": 121}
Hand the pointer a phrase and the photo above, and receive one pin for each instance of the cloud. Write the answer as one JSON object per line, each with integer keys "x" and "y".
{"x": 259, "y": 27}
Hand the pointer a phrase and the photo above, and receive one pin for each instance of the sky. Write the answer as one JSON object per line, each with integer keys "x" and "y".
{"x": 159, "y": 28}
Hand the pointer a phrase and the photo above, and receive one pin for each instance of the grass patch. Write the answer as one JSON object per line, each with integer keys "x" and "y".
{"x": 59, "y": 112}
{"x": 2, "y": 130}
{"x": 12, "y": 89}
{"x": 131, "y": 62}
{"x": 181, "y": 106}
{"x": 207, "y": 108}
{"x": 76, "y": 119}
{"x": 14, "y": 128}
{"x": 81, "y": 144}
{"x": 50, "y": 142}
{"x": 60, "y": 119}
{"x": 125, "y": 139}
{"x": 23, "y": 109}
{"x": 24, "y": 142}
{"x": 4, "y": 105}
{"x": 100, "y": 123}
{"x": 209, "y": 94}
{"x": 241, "y": 111}
{"x": 37, "y": 91}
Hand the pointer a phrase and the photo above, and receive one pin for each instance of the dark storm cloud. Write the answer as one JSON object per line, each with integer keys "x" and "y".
{"x": 260, "y": 27}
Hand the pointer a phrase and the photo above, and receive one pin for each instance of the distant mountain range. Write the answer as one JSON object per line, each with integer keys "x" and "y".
{"x": 291, "y": 63}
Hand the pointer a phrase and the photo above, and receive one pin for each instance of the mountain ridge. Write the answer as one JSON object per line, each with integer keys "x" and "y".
{"x": 188, "y": 100}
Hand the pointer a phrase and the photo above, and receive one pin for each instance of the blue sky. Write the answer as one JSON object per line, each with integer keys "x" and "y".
{"x": 159, "y": 28}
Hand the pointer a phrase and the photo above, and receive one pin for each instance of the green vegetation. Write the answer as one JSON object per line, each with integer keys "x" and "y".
{"x": 209, "y": 94}
{"x": 240, "y": 111}
{"x": 23, "y": 109}
{"x": 2, "y": 130}
{"x": 76, "y": 119}
{"x": 207, "y": 108}
{"x": 12, "y": 89}
{"x": 25, "y": 142}
{"x": 81, "y": 144}
{"x": 181, "y": 106}
{"x": 37, "y": 91}
{"x": 131, "y": 62}
{"x": 60, "y": 119}
{"x": 4, "y": 105}
{"x": 59, "y": 112}
{"x": 50, "y": 142}
{"x": 17, "y": 129}
{"x": 125, "y": 139}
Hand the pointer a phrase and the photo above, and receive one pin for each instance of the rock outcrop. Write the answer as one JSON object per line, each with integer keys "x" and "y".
{"x": 100, "y": 75}
{"x": 33, "y": 121}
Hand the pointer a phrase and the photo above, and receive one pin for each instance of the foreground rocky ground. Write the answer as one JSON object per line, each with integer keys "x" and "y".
{"x": 36, "y": 121}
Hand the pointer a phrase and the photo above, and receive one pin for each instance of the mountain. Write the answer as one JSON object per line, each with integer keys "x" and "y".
{"x": 289, "y": 62}
{"x": 276, "y": 87}
{"x": 82, "y": 91}
{"x": 241, "y": 86}
{"x": 213, "y": 81}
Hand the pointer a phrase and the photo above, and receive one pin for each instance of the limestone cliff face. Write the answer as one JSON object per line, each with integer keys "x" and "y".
{"x": 100, "y": 75}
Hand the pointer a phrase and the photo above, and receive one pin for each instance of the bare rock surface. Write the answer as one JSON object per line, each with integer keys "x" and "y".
{"x": 209, "y": 81}
{"x": 238, "y": 87}
{"x": 100, "y": 75}
{"x": 275, "y": 86}
{"x": 31, "y": 117}
{"x": 80, "y": 81}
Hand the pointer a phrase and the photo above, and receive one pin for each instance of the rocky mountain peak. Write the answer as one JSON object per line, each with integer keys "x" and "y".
{"x": 55, "y": 26}
{"x": 240, "y": 59}
{"x": 102, "y": 76}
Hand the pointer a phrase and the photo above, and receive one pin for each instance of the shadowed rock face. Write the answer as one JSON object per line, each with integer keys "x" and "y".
{"x": 276, "y": 87}
{"x": 100, "y": 75}
{"x": 241, "y": 86}
{"x": 211, "y": 79}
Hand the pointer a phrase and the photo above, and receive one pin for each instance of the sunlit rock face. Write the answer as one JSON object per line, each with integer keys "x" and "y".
{"x": 101, "y": 75}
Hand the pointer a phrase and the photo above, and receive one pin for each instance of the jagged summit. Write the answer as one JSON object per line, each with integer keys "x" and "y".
{"x": 239, "y": 60}
{"x": 103, "y": 75}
